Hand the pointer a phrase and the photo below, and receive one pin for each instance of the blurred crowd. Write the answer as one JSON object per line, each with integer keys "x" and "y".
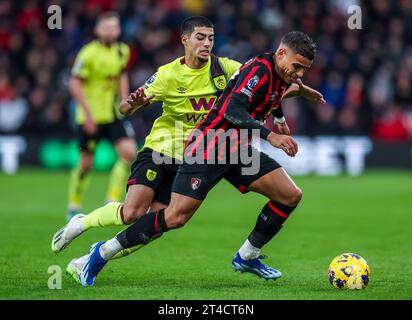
{"x": 365, "y": 75}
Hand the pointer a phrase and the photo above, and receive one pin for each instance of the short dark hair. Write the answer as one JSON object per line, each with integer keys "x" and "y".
{"x": 301, "y": 43}
{"x": 107, "y": 15}
{"x": 189, "y": 24}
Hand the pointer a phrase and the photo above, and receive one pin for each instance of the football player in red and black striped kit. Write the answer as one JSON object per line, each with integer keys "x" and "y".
{"x": 252, "y": 94}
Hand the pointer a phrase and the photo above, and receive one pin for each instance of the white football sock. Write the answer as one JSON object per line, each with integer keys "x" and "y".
{"x": 248, "y": 252}
{"x": 110, "y": 248}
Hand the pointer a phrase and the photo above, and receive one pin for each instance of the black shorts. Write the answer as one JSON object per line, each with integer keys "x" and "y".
{"x": 196, "y": 180}
{"x": 146, "y": 171}
{"x": 110, "y": 131}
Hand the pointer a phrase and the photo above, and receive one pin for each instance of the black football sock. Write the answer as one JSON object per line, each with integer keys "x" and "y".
{"x": 269, "y": 222}
{"x": 147, "y": 228}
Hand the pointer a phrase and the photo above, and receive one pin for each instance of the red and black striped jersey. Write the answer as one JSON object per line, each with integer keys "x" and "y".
{"x": 251, "y": 94}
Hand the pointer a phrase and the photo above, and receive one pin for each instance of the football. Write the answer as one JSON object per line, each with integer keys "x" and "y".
{"x": 349, "y": 271}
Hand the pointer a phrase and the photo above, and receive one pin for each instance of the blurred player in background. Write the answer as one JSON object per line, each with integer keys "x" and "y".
{"x": 98, "y": 82}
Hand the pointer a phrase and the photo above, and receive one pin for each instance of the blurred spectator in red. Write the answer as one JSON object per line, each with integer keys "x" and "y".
{"x": 391, "y": 126}
{"x": 6, "y": 90}
{"x": 31, "y": 16}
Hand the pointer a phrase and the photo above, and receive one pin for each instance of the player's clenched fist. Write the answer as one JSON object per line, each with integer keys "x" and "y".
{"x": 286, "y": 143}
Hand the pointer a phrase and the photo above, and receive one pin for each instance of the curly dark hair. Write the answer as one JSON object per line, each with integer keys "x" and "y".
{"x": 301, "y": 43}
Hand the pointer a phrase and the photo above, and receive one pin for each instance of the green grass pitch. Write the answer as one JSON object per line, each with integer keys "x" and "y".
{"x": 370, "y": 215}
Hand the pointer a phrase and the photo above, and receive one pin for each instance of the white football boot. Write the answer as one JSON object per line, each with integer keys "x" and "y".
{"x": 74, "y": 268}
{"x": 65, "y": 235}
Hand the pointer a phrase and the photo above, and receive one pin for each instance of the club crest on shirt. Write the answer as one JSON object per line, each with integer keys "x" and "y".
{"x": 195, "y": 183}
{"x": 220, "y": 82}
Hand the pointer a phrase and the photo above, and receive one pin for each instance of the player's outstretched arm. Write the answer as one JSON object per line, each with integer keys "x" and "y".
{"x": 299, "y": 89}
{"x": 134, "y": 101}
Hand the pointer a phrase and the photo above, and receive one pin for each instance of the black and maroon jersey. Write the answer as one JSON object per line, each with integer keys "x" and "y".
{"x": 253, "y": 92}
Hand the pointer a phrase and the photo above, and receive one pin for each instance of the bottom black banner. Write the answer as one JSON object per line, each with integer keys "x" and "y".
{"x": 208, "y": 309}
